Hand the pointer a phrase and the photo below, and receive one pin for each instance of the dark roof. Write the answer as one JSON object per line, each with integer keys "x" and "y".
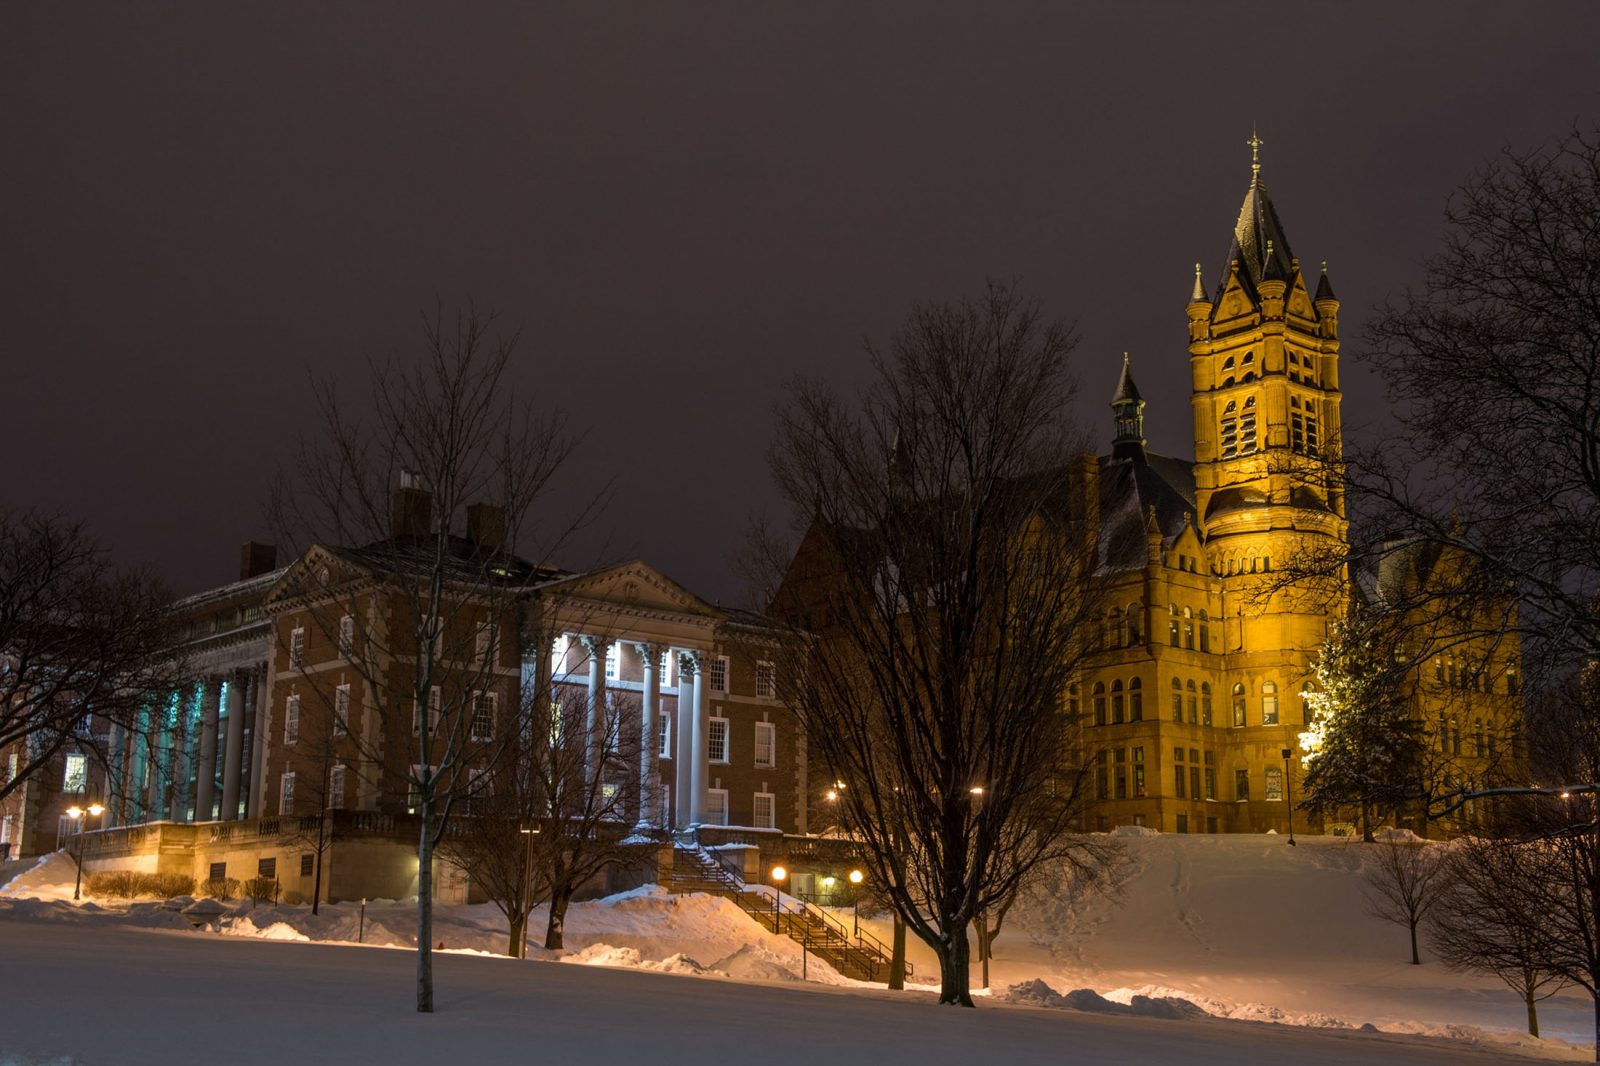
{"x": 1324, "y": 286}
{"x": 466, "y": 560}
{"x": 1257, "y": 229}
{"x": 1127, "y": 391}
{"x": 1129, "y": 488}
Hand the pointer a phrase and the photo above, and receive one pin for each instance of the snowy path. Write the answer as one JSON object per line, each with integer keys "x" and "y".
{"x": 136, "y": 997}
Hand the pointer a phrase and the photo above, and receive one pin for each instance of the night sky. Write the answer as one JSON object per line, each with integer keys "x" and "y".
{"x": 681, "y": 206}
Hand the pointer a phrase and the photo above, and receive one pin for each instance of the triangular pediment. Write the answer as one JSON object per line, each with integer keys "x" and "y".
{"x": 309, "y": 576}
{"x": 1235, "y": 302}
{"x": 631, "y": 586}
{"x": 1298, "y": 301}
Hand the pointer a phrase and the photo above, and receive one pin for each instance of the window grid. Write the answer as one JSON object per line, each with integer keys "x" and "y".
{"x": 717, "y": 749}
{"x": 766, "y": 744}
{"x": 764, "y": 811}
{"x": 291, "y": 720}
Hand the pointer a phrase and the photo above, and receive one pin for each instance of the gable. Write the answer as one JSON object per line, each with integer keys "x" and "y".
{"x": 631, "y": 587}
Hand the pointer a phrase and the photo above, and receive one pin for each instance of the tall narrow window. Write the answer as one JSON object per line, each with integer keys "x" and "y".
{"x": 718, "y": 746}
{"x": 76, "y": 777}
{"x": 1205, "y": 631}
{"x": 1229, "y": 437}
{"x": 1114, "y": 628}
{"x": 1269, "y": 703}
{"x": 766, "y": 681}
{"x": 347, "y": 635}
{"x": 1117, "y": 709}
{"x": 766, "y": 744}
{"x": 666, "y": 735}
{"x": 1099, "y": 703}
{"x": 1238, "y": 705}
{"x": 1188, "y": 628}
{"x": 1135, "y": 618}
{"x": 297, "y": 647}
{"x": 485, "y": 644}
{"x": 341, "y": 707}
{"x": 764, "y": 811}
{"x": 1172, "y": 625}
{"x": 1273, "y": 789}
{"x": 1205, "y": 703}
{"x": 1247, "y": 427}
{"x": 1177, "y": 700}
{"x": 291, "y": 719}
{"x": 286, "y": 793}
{"x": 719, "y": 674}
{"x": 1241, "y": 785}
{"x": 335, "y": 787}
{"x": 613, "y": 661}
{"x": 1135, "y": 701}
{"x": 483, "y": 716}
{"x": 717, "y": 806}
{"x": 1194, "y": 710}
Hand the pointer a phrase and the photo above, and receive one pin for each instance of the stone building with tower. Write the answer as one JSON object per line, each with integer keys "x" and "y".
{"x": 1197, "y": 698}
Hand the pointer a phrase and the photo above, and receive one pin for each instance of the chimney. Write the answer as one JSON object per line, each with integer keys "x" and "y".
{"x": 256, "y": 559}
{"x": 486, "y": 525}
{"x": 413, "y": 508}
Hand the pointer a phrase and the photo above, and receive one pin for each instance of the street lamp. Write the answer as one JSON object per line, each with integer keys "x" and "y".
{"x": 77, "y": 813}
{"x": 778, "y": 874}
{"x": 527, "y": 886}
{"x": 856, "y": 877}
{"x": 1288, "y": 791}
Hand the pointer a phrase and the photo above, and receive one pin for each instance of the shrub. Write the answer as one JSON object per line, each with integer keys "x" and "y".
{"x": 129, "y": 884}
{"x": 261, "y": 889}
{"x": 223, "y": 888}
{"x": 167, "y": 885}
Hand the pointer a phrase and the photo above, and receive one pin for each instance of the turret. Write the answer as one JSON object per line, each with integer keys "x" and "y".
{"x": 1199, "y": 309}
{"x": 1127, "y": 409}
{"x": 1327, "y": 305}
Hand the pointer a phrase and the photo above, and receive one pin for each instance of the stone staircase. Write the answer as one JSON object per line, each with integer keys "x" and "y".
{"x": 861, "y": 955}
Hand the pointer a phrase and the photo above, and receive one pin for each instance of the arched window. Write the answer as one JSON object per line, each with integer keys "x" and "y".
{"x": 1269, "y": 703}
{"x": 1117, "y": 710}
{"x": 1247, "y": 424}
{"x": 1135, "y": 624}
{"x": 1249, "y": 357}
{"x": 1114, "y": 628}
{"x": 1305, "y": 702}
{"x": 1238, "y": 705}
{"x": 1073, "y": 708}
{"x": 1135, "y": 701}
{"x": 1511, "y": 678}
{"x": 1455, "y": 737}
{"x": 1228, "y": 439}
{"x": 1205, "y": 631}
{"x": 1177, "y": 700}
{"x": 1099, "y": 703}
{"x": 1194, "y": 706}
{"x": 1444, "y": 735}
{"x": 1188, "y": 628}
{"x": 1205, "y": 703}
{"x": 1493, "y": 746}
{"x": 1227, "y": 364}
{"x": 1477, "y": 738}
{"x": 1172, "y": 624}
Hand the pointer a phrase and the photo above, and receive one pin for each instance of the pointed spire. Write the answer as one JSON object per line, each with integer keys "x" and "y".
{"x": 1258, "y": 228}
{"x": 1324, "y": 286}
{"x": 1255, "y": 143}
{"x": 1127, "y": 410}
{"x": 1199, "y": 293}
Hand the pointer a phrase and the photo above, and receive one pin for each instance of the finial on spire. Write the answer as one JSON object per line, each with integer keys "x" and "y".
{"x": 1324, "y": 266}
{"x": 1199, "y": 292}
{"x": 1255, "y": 144}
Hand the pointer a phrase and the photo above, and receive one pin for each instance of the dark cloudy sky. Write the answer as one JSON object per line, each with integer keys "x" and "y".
{"x": 682, "y": 206}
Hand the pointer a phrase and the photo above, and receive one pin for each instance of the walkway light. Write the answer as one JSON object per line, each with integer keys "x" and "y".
{"x": 76, "y": 813}
{"x": 778, "y": 874}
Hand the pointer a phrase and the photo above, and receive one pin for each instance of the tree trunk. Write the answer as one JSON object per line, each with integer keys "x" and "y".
{"x": 955, "y": 961}
{"x": 1533, "y": 1013}
{"x": 1366, "y": 825}
{"x": 897, "y": 958}
{"x": 425, "y": 911}
{"x": 1416, "y": 960}
{"x": 983, "y": 947}
{"x": 519, "y": 922}
{"x": 558, "y": 920}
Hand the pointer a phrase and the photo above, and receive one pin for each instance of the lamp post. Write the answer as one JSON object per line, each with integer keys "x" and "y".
{"x": 79, "y": 815}
{"x": 527, "y": 886}
{"x": 778, "y": 874}
{"x": 1288, "y": 791}
{"x": 856, "y": 877}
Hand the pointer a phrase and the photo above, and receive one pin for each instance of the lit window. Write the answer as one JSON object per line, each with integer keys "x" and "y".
{"x": 1205, "y": 703}
{"x": 613, "y": 661}
{"x": 286, "y": 794}
{"x": 717, "y": 749}
{"x": 1269, "y": 703}
{"x": 291, "y": 719}
{"x": 297, "y": 647}
{"x": 1238, "y": 705}
{"x": 766, "y": 744}
{"x": 666, "y": 735}
{"x": 76, "y": 778}
{"x": 1274, "y": 786}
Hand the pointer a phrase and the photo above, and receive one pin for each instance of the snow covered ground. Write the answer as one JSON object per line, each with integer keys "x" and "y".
{"x": 1245, "y": 927}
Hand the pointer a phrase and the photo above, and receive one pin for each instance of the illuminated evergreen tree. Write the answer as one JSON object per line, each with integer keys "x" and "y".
{"x": 1362, "y": 748}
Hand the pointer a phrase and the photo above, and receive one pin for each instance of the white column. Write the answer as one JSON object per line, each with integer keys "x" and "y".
{"x": 683, "y": 746}
{"x": 594, "y": 755}
{"x": 182, "y": 759}
{"x": 233, "y": 747}
{"x": 116, "y": 776}
{"x": 260, "y": 737}
{"x": 649, "y": 736}
{"x": 702, "y": 743}
{"x": 159, "y": 745}
{"x": 205, "y": 791}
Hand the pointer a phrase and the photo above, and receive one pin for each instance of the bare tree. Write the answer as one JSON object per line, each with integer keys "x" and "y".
{"x": 1495, "y": 359}
{"x": 938, "y": 605}
{"x": 417, "y": 613}
{"x": 547, "y": 824}
{"x": 1404, "y": 882}
{"x": 80, "y": 636}
{"x": 1482, "y": 922}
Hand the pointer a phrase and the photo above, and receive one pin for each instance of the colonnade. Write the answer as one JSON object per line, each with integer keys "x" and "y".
{"x": 690, "y": 733}
{"x": 187, "y": 758}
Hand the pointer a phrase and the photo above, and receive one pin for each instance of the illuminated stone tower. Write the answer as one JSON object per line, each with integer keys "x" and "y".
{"x": 1264, "y": 357}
